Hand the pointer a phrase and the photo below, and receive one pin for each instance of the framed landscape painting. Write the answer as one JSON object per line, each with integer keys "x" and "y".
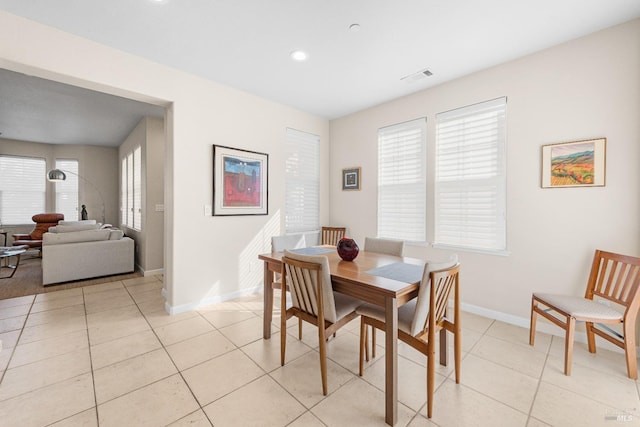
{"x": 574, "y": 164}
{"x": 240, "y": 180}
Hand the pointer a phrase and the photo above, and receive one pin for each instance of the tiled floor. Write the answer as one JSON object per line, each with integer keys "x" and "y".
{"x": 108, "y": 355}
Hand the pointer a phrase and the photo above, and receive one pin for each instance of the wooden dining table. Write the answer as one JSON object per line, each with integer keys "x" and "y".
{"x": 352, "y": 278}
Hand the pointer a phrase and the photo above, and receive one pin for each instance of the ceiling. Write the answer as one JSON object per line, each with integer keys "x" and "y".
{"x": 247, "y": 44}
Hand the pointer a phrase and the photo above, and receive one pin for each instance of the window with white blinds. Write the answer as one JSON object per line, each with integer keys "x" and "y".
{"x": 402, "y": 181}
{"x": 131, "y": 189}
{"x": 470, "y": 181}
{"x": 67, "y": 190}
{"x": 302, "y": 182}
{"x": 22, "y": 189}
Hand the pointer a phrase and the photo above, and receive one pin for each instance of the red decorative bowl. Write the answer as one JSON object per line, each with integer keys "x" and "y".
{"x": 348, "y": 249}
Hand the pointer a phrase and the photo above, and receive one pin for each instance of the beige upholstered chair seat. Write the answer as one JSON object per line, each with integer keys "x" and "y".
{"x": 405, "y": 314}
{"x": 579, "y": 307}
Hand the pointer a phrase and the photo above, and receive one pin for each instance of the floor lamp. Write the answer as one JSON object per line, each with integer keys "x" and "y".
{"x": 58, "y": 175}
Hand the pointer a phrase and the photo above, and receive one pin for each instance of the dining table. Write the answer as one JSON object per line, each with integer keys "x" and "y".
{"x": 384, "y": 280}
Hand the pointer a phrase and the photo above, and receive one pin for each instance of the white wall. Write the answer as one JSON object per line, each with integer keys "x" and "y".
{"x": 587, "y": 88}
{"x": 205, "y": 257}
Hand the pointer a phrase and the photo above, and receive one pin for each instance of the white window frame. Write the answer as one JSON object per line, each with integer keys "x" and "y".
{"x": 471, "y": 179}
{"x": 402, "y": 184}
{"x": 23, "y": 189}
{"x": 131, "y": 189}
{"x": 302, "y": 182}
{"x": 67, "y": 191}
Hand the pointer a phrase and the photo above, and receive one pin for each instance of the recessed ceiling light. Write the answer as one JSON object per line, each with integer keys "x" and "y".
{"x": 354, "y": 28}
{"x": 299, "y": 55}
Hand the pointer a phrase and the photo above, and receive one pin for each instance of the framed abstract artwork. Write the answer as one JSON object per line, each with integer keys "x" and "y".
{"x": 240, "y": 182}
{"x": 351, "y": 179}
{"x": 574, "y": 164}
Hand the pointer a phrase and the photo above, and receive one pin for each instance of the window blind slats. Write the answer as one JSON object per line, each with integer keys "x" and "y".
{"x": 302, "y": 182}
{"x": 22, "y": 189}
{"x": 402, "y": 182}
{"x": 67, "y": 190}
{"x": 470, "y": 179}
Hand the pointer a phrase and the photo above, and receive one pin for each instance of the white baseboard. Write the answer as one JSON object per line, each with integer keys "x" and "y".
{"x": 208, "y": 301}
{"x": 152, "y": 272}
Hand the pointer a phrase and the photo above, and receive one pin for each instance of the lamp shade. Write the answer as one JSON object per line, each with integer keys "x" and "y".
{"x": 56, "y": 175}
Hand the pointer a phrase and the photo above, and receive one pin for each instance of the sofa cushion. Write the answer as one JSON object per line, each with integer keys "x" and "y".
{"x": 72, "y": 228}
{"x": 81, "y": 222}
{"x": 76, "y": 237}
{"x": 115, "y": 234}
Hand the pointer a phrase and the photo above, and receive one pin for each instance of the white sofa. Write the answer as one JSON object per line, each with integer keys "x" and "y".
{"x": 81, "y": 251}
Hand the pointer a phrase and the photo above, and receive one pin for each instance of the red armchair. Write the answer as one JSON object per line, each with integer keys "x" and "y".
{"x": 43, "y": 222}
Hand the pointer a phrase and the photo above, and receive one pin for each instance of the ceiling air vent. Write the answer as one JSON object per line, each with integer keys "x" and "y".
{"x": 422, "y": 74}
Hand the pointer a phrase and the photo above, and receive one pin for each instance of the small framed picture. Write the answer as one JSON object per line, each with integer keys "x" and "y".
{"x": 574, "y": 164}
{"x": 351, "y": 179}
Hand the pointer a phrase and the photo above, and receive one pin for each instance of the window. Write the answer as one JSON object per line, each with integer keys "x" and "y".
{"x": 302, "y": 182}
{"x": 401, "y": 181}
{"x": 470, "y": 182}
{"x": 131, "y": 189}
{"x": 22, "y": 189}
{"x": 67, "y": 190}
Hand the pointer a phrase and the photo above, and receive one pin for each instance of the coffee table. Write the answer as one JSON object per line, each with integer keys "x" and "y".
{"x": 6, "y": 252}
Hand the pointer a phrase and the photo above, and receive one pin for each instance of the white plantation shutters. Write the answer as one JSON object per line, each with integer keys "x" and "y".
{"x": 470, "y": 181}
{"x": 22, "y": 189}
{"x": 302, "y": 182}
{"x": 402, "y": 182}
{"x": 131, "y": 189}
{"x": 67, "y": 190}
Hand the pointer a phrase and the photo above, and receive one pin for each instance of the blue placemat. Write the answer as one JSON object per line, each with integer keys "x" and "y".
{"x": 400, "y": 271}
{"x": 312, "y": 250}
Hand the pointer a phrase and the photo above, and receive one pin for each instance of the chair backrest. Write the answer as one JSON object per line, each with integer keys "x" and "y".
{"x": 616, "y": 278}
{"x": 43, "y": 222}
{"x": 384, "y": 246}
{"x": 332, "y": 235}
{"x": 280, "y": 243}
{"x": 437, "y": 278}
{"x": 303, "y": 275}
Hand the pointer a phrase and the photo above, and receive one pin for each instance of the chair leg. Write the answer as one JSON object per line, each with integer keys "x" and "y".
{"x": 299, "y": 329}
{"x": 323, "y": 358}
{"x": 568, "y": 345}
{"x": 630, "y": 349}
{"x": 364, "y": 347}
{"x": 283, "y": 326}
{"x": 591, "y": 337}
{"x": 457, "y": 352}
{"x": 443, "y": 347}
{"x": 373, "y": 342}
{"x": 532, "y": 325}
{"x": 431, "y": 373}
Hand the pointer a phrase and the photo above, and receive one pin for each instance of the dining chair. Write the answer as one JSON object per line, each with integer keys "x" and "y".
{"x": 384, "y": 246}
{"x": 421, "y": 318}
{"x": 309, "y": 281}
{"x": 332, "y": 235}
{"x": 279, "y": 244}
{"x": 612, "y": 297}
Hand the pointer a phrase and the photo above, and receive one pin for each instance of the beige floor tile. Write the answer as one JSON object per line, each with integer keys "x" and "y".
{"x": 12, "y": 324}
{"x": 521, "y": 358}
{"x": 560, "y": 407}
{"x": 195, "y": 419}
{"x": 155, "y": 304}
{"x": 266, "y": 353}
{"x": 88, "y": 418}
{"x": 306, "y": 420}
{"x": 357, "y": 403}
{"x": 301, "y": 377}
{"x": 162, "y": 318}
{"x": 344, "y": 349}
{"x": 196, "y": 350}
{"x": 140, "y": 280}
{"x": 98, "y": 305}
{"x": 123, "y": 377}
{"x": 519, "y": 335}
{"x": 51, "y": 330}
{"x": 53, "y": 304}
{"x": 149, "y": 295}
{"x": 533, "y": 422}
{"x": 475, "y": 322}
{"x": 457, "y": 405}
{"x": 185, "y": 329}
{"x": 222, "y": 306}
{"x": 55, "y": 316}
{"x": 51, "y": 347}
{"x": 502, "y": 384}
{"x": 14, "y": 311}
{"x": 279, "y": 410}
{"x": 10, "y": 339}
{"x": 58, "y": 294}
{"x": 123, "y": 348}
{"x": 221, "y": 318}
{"x": 49, "y": 404}
{"x": 13, "y": 302}
{"x": 607, "y": 361}
{"x": 100, "y": 288}
{"x": 244, "y": 332}
{"x": 33, "y": 376}
{"x": 145, "y": 287}
{"x": 106, "y": 318}
{"x": 113, "y": 324}
{"x": 157, "y": 404}
{"x": 215, "y": 378}
{"x": 105, "y": 294}
{"x": 420, "y": 420}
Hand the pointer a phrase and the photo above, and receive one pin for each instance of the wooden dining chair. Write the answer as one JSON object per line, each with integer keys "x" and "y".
{"x": 422, "y": 317}
{"x": 279, "y": 244}
{"x": 332, "y": 235}
{"x": 614, "y": 280}
{"x": 384, "y": 246}
{"x": 314, "y": 301}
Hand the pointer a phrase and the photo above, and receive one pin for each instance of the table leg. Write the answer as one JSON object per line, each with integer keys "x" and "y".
{"x": 268, "y": 302}
{"x": 13, "y": 267}
{"x": 391, "y": 361}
